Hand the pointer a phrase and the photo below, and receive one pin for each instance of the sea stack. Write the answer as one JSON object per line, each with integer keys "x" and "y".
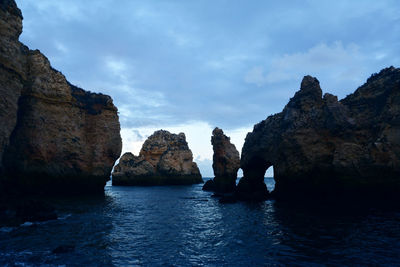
{"x": 165, "y": 159}
{"x": 226, "y": 163}
{"x": 322, "y": 148}
{"x": 54, "y": 136}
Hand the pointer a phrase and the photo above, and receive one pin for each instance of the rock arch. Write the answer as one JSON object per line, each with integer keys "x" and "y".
{"x": 324, "y": 148}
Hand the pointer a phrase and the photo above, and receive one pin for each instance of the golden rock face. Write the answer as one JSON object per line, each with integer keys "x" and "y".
{"x": 164, "y": 159}
{"x": 62, "y": 136}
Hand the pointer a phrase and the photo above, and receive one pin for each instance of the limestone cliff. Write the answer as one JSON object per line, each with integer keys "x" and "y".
{"x": 324, "y": 148}
{"x": 165, "y": 159}
{"x": 226, "y": 163}
{"x": 53, "y": 136}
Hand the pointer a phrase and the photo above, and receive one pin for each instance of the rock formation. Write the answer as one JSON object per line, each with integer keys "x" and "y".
{"x": 324, "y": 148}
{"x": 165, "y": 159}
{"x": 226, "y": 163}
{"x": 53, "y": 136}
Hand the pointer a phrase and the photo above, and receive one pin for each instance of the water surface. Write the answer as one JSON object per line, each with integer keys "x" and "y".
{"x": 184, "y": 226}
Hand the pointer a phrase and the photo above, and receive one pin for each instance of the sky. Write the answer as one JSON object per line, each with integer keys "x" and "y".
{"x": 189, "y": 66}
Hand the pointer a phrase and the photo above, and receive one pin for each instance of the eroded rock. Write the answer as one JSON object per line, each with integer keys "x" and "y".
{"x": 54, "y": 137}
{"x": 165, "y": 159}
{"x": 324, "y": 148}
{"x": 226, "y": 163}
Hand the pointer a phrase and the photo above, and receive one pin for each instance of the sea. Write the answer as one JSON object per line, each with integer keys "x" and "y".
{"x": 185, "y": 226}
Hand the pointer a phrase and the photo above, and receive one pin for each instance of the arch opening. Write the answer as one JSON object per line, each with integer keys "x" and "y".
{"x": 269, "y": 178}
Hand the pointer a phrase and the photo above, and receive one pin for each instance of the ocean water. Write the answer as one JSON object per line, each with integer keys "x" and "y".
{"x": 184, "y": 226}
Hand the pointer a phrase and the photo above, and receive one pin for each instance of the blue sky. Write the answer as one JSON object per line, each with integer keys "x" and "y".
{"x": 192, "y": 65}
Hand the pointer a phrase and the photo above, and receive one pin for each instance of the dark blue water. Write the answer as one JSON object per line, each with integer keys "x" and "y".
{"x": 184, "y": 226}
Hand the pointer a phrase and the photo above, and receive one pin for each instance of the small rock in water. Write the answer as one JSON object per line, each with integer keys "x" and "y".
{"x": 209, "y": 186}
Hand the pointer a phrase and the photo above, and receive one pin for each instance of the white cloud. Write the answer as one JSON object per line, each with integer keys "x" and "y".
{"x": 321, "y": 57}
{"x": 117, "y": 67}
{"x": 61, "y": 47}
{"x": 336, "y": 62}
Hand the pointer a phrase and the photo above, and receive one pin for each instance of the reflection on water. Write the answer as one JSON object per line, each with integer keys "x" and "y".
{"x": 184, "y": 226}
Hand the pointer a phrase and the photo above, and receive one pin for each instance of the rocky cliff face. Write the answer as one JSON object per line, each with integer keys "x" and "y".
{"x": 226, "y": 163}
{"x": 53, "y": 135}
{"x": 164, "y": 159}
{"x": 325, "y": 148}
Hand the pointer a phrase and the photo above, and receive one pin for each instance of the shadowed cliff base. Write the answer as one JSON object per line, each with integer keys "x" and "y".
{"x": 52, "y": 185}
{"x": 325, "y": 149}
{"x": 157, "y": 180}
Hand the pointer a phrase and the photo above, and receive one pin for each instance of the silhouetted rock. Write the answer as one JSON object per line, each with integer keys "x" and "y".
{"x": 15, "y": 211}
{"x": 209, "y": 186}
{"x": 165, "y": 159}
{"x": 252, "y": 189}
{"x": 328, "y": 149}
{"x": 226, "y": 162}
{"x": 54, "y": 137}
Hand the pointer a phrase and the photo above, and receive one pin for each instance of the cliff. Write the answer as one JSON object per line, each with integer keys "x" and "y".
{"x": 322, "y": 148}
{"x": 165, "y": 159}
{"x": 54, "y": 137}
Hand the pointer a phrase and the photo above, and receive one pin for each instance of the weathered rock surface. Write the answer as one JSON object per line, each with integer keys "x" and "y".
{"x": 226, "y": 163}
{"x": 165, "y": 159}
{"x": 53, "y": 136}
{"x": 324, "y": 148}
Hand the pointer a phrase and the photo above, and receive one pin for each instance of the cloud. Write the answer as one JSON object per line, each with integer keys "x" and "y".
{"x": 117, "y": 67}
{"x": 256, "y": 76}
{"x": 65, "y": 12}
{"x": 342, "y": 67}
{"x": 335, "y": 59}
{"x": 206, "y": 63}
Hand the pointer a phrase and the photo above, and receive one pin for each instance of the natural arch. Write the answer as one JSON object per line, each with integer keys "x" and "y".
{"x": 252, "y": 186}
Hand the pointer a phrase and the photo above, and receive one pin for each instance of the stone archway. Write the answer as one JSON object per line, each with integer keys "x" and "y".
{"x": 252, "y": 186}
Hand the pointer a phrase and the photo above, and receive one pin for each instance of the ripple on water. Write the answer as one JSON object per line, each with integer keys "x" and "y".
{"x": 184, "y": 226}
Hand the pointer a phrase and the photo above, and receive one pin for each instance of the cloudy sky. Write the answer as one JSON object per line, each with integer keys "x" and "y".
{"x": 192, "y": 65}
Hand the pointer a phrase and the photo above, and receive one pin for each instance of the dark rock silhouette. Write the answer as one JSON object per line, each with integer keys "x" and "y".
{"x": 165, "y": 159}
{"x": 209, "y": 186}
{"x": 17, "y": 210}
{"x": 322, "y": 148}
{"x": 54, "y": 137}
{"x": 226, "y": 163}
